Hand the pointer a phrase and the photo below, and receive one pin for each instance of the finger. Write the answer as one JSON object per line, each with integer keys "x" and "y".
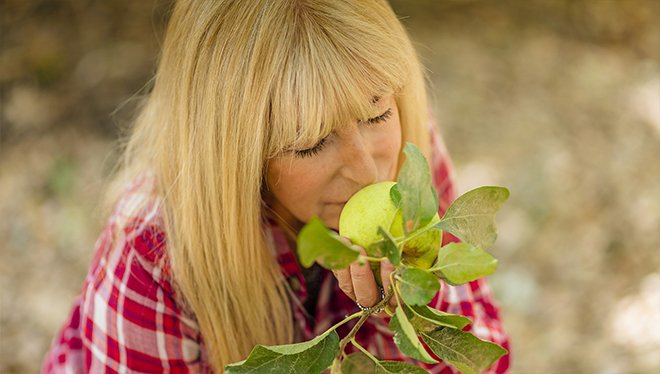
{"x": 386, "y": 268}
{"x": 344, "y": 280}
{"x": 364, "y": 283}
{"x": 344, "y": 275}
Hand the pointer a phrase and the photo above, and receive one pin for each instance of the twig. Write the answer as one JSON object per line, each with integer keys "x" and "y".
{"x": 360, "y": 322}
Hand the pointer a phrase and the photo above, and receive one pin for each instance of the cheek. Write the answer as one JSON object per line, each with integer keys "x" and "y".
{"x": 297, "y": 186}
{"x": 302, "y": 190}
{"x": 395, "y": 139}
{"x": 389, "y": 142}
{"x": 389, "y": 146}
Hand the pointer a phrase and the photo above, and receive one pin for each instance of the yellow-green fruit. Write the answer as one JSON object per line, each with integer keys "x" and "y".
{"x": 418, "y": 246}
{"x": 365, "y": 211}
{"x": 425, "y": 261}
{"x": 371, "y": 207}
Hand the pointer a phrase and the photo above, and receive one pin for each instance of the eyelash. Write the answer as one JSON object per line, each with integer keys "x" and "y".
{"x": 318, "y": 147}
{"x": 383, "y": 117}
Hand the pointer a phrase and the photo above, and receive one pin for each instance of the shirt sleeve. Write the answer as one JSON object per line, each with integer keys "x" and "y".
{"x": 473, "y": 300}
{"x": 129, "y": 318}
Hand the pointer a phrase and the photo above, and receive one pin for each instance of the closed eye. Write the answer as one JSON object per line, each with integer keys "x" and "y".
{"x": 383, "y": 117}
{"x": 311, "y": 151}
{"x": 319, "y": 146}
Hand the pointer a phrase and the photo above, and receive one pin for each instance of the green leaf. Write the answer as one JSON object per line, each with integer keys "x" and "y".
{"x": 359, "y": 363}
{"x": 399, "y": 367}
{"x": 386, "y": 247}
{"x": 460, "y": 263}
{"x": 317, "y": 243}
{"x": 417, "y": 286}
{"x": 419, "y": 199}
{"x": 462, "y": 349}
{"x": 395, "y": 195}
{"x": 471, "y": 217}
{"x": 312, "y": 356}
{"x": 406, "y": 338}
{"x": 426, "y": 319}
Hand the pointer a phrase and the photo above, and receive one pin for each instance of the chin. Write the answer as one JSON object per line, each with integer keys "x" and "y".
{"x": 332, "y": 223}
{"x": 330, "y": 217}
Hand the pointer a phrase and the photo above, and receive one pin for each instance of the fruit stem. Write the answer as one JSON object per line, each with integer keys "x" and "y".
{"x": 374, "y": 259}
{"x": 395, "y": 289}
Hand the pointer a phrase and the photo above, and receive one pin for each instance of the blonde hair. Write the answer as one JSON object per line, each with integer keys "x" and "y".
{"x": 238, "y": 83}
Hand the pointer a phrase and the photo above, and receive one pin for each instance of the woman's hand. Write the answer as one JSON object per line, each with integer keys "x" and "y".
{"x": 359, "y": 284}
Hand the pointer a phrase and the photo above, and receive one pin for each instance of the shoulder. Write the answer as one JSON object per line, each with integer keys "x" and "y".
{"x": 133, "y": 244}
{"x": 129, "y": 296}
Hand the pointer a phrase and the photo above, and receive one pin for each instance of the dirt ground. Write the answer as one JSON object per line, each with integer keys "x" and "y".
{"x": 557, "y": 100}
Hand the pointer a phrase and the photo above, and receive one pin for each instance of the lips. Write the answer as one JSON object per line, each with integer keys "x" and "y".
{"x": 340, "y": 202}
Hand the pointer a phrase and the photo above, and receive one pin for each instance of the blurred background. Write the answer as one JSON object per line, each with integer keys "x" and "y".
{"x": 557, "y": 100}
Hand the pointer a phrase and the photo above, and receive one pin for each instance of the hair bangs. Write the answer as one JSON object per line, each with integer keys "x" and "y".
{"x": 334, "y": 74}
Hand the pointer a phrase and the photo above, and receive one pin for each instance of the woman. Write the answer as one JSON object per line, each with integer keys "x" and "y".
{"x": 262, "y": 114}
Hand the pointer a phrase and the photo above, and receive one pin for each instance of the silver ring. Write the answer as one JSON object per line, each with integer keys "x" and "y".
{"x": 382, "y": 296}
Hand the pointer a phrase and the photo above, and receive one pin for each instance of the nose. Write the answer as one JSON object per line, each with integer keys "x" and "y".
{"x": 358, "y": 161}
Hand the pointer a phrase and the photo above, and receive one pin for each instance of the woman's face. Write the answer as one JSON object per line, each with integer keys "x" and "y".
{"x": 319, "y": 180}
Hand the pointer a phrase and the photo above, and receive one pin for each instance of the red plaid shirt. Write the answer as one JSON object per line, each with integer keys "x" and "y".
{"x": 127, "y": 317}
